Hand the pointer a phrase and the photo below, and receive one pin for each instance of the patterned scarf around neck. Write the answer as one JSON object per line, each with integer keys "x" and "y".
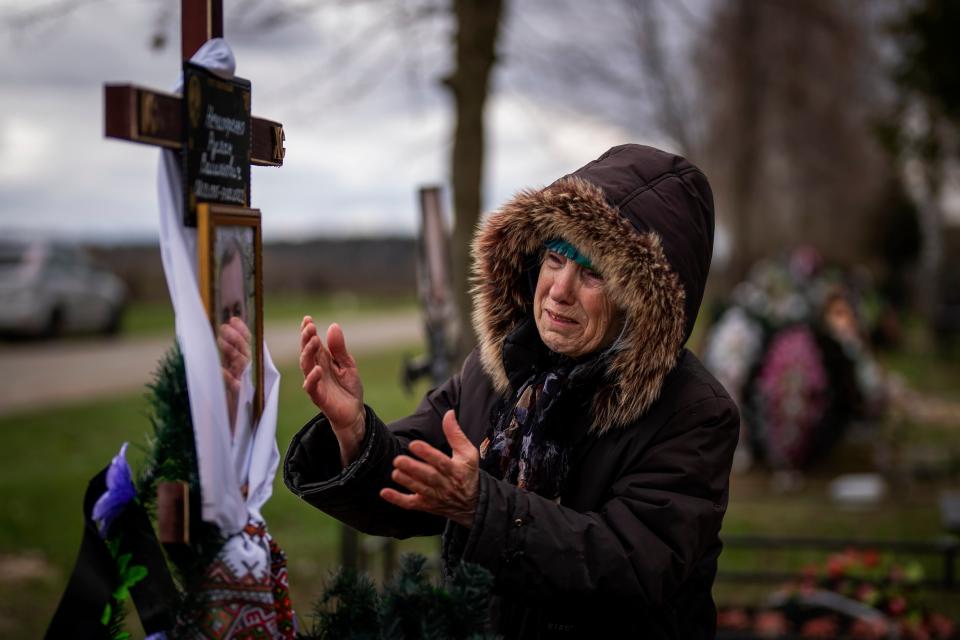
{"x": 520, "y": 448}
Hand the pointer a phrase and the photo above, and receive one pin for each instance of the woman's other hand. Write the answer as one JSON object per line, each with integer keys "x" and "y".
{"x": 333, "y": 383}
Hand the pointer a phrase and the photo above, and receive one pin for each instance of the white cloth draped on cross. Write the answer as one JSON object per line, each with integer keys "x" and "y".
{"x": 220, "y": 479}
{"x": 245, "y": 587}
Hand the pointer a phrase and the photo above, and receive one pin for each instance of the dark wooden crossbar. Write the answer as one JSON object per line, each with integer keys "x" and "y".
{"x": 152, "y": 117}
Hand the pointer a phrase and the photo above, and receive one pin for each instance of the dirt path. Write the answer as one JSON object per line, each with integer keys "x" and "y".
{"x": 55, "y": 373}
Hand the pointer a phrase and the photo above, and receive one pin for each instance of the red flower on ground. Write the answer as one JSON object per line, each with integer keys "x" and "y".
{"x": 837, "y": 565}
{"x": 913, "y": 631}
{"x": 897, "y": 606}
{"x": 821, "y": 627}
{"x": 871, "y": 558}
{"x": 770, "y": 624}
{"x": 733, "y": 619}
{"x": 869, "y": 629}
{"x": 943, "y": 626}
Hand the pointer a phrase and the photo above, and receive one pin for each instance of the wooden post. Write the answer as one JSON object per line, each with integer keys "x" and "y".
{"x": 200, "y": 20}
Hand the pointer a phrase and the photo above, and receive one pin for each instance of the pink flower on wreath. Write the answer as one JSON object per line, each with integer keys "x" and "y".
{"x": 793, "y": 387}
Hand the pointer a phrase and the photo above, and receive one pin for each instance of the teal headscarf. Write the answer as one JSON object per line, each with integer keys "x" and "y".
{"x": 567, "y": 250}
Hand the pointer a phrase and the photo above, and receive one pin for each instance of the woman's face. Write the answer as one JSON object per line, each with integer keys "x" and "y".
{"x": 571, "y": 309}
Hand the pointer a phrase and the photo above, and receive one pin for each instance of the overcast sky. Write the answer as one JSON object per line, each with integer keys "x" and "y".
{"x": 363, "y": 129}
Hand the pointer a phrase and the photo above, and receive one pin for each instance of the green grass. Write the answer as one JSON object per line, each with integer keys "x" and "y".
{"x": 905, "y": 514}
{"x": 908, "y": 513}
{"x": 927, "y": 366}
{"x": 926, "y": 370}
{"x": 156, "y": 318}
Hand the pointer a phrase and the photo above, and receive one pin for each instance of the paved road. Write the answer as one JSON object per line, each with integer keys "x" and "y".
{"x": 55, "y": 373}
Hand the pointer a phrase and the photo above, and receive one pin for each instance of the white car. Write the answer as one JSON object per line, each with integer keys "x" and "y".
{"x": 49, "y": 289}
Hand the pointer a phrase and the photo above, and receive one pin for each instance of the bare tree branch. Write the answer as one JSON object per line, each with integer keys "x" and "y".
{"x": 19, "y": 21}
{"x": 671, "y": 112}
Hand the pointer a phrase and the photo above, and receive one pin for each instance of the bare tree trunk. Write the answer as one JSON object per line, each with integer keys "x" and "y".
{"x": 923, "y": 160}
{"x": 673, "y": 113}
{"x": 478, "y": 23}
{"x": 931, "y": 244}
{"x": 747, "y": 151}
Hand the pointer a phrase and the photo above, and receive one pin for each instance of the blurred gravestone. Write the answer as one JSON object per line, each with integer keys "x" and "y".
{"x": 436, "y": 295}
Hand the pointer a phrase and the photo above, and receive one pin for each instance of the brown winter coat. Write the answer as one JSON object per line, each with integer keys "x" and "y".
{"x": 631, "y": 548}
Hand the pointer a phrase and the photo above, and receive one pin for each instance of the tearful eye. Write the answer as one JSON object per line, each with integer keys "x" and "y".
{"x": 554, "y": 259}
{"x": 592, "y": 278}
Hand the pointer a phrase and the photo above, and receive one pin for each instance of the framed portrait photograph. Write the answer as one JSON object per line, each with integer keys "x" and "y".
{"x": 229, "y": 248}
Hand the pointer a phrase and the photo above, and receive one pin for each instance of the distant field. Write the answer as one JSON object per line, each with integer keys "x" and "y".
{"x": 156, "y": 318}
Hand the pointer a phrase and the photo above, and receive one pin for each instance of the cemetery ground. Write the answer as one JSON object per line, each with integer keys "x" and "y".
{"x": 49, "y": 454}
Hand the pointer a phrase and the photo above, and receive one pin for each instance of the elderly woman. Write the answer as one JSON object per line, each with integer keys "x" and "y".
{"x": 582, "y": 455}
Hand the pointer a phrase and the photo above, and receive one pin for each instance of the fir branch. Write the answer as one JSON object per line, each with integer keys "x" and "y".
{"x": 410, "y": 606}
{"x": 348, "y": 609}
{"x": 406, "y": 600}
{"x": 470, "y": 598}
{"x": 171, "y": 456}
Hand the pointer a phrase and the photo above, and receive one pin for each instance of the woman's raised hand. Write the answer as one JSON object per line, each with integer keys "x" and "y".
{"x": 333, "y": 383}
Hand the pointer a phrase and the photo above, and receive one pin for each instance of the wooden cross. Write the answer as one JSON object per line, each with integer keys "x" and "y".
{"x": 156, "y": 118}
{"x": 153, "y": 117}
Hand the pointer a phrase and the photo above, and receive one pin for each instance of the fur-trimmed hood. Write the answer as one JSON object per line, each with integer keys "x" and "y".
{"x": 644, "y": 218}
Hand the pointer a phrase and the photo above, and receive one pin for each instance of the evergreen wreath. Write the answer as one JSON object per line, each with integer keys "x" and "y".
{"x": 410, "y": 606}
{"x": 171, "y": 456}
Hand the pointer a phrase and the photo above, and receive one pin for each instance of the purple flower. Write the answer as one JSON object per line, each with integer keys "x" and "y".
{"x": 119, "y": 492}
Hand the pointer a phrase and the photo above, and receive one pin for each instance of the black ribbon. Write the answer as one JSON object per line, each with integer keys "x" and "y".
{"x": 95, "y": 574}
